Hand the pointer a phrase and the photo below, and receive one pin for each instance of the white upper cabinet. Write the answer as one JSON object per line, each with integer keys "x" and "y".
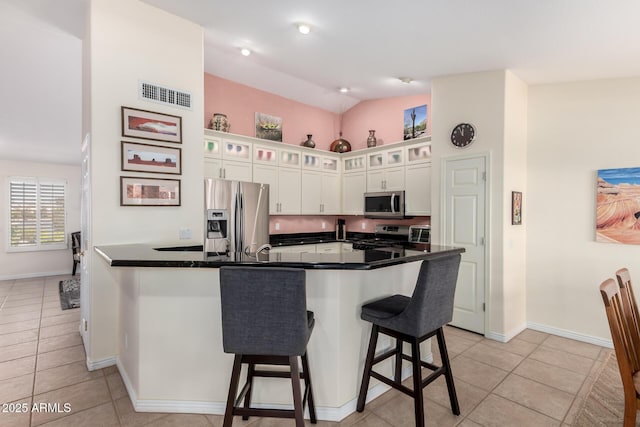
{"x": 282, "y": 157}
{"x": 354, "y": 164}
{"x": 418, "y": 153}
{"x": 319, "y": 162}
{"x": 390, "y": 157}
{"x": 309, "y": 181}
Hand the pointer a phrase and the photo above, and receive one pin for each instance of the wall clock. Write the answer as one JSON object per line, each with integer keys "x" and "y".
{"x": 463, "y": 134}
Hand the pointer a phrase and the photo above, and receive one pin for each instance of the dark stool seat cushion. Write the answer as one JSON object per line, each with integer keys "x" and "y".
{"x": 384, "y": 308}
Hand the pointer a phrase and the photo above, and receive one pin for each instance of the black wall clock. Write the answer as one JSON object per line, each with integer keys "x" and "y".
{"x": 463, "y": 134}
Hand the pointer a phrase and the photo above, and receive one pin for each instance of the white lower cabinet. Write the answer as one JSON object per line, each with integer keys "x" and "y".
{"x": 418, "y": 189}
{"x": 354, "y": 185}
{"x": 329, "y": 248}
{"x": 284, "y": 188}
{"x": 320, "y": 193}
{"x": 320, "y": 248}
{"x": 294, "y": 249}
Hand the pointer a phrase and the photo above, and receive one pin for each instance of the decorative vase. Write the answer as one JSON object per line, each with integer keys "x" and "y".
{"x": 340, "y": 145}
{"x": 219, "y": 122}
{"x": 308, "y": 143}
{"x": 371, "y": 141}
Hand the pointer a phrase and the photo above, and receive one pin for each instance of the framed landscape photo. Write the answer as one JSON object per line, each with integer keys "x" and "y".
{"x": 137, "y": 191}
{"x": 151, "y": 158}
{"x": 516, "y": 208}
{"x": 149, "y": 125}
{"x": 415, "y": 122}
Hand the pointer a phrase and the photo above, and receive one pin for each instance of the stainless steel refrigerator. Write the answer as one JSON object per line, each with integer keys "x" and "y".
{"x": 236, "y": 216}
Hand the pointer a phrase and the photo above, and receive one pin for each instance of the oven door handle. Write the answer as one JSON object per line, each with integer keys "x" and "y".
{"x": 393, "y": 198}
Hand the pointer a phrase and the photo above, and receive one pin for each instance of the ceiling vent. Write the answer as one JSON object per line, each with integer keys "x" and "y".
{"x": 164, "y": 95}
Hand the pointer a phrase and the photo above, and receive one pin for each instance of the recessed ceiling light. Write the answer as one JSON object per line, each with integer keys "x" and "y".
{"x": 344, "y": 89}
{"x": 304, "y": 28}
{"x": 406, "y": 80}
{"x": 245, "y": 51}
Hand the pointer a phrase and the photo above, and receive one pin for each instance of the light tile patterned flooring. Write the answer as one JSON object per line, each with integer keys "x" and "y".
{"x": 534, "y": 380}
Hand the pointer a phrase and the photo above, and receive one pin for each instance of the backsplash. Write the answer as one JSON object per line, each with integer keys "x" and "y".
{"x": 289, "y": 224}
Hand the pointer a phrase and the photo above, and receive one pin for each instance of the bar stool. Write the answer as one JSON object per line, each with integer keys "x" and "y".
{"x": 413, "y": 320}
{"x": 265, "y": 322}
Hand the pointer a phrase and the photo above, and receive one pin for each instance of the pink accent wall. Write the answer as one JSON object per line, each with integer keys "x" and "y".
{"x": 384, "y": 115}
{"x": 240, "y": 103}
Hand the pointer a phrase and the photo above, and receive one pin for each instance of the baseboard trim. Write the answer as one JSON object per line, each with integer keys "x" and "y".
{"x": 94, "y": 365}
{"x": 34, "y": 275}
{"x": 570, "y": 334}
{"x": 508, "y": 336}
{"x": 323, "y": 413}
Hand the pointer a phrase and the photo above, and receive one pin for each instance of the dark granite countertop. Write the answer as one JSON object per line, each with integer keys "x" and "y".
{"x": 147, "y": 255}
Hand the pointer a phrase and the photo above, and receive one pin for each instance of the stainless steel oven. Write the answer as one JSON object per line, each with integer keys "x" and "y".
{"x": 386, "y": 205}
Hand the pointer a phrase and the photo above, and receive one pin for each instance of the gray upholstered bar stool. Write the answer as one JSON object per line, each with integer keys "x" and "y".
{"x": 265, "y": 322}
{"x": 413, "y": 320}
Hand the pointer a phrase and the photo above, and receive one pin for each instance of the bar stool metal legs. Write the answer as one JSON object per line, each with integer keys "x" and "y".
{"x": 300, "y": 399}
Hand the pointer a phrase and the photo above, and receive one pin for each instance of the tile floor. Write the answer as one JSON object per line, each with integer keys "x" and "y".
{"x": 534, "y": 380}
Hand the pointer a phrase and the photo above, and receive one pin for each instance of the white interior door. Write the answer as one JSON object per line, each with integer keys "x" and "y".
{"x": 464, "y": 226}
{"x": 85, "y": 243}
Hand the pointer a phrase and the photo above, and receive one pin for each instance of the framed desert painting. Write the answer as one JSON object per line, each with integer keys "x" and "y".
{"x": 149, "y": 125}
{"x": 151, "y": 158}
{"x": 415, "y": 122}
{"x": 136, "y": 191}
{"x": 618, "y": 206}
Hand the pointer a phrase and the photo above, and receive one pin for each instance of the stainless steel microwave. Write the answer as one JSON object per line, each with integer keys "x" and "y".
{"x": 385, "y": 204}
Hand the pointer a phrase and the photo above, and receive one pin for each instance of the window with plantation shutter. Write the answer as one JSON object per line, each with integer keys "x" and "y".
{"x": 37, "y": 215}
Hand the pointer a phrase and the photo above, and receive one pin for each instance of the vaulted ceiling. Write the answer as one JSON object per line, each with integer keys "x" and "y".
{"x": 365, "y": 45}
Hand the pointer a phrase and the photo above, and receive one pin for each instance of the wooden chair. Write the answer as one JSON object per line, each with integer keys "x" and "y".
{"x": 625, "y": 336}
{"x": 630, "y": 307}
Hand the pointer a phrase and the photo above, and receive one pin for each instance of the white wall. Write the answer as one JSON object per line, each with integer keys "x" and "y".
{"x": 495, "y": 102}
{"x": 132, "y": 41}
{"x": 515, "y": 179}
{"x": 476, "y": 98}
{"x": 574, "y": 130}
{"x": 41, "y": 263}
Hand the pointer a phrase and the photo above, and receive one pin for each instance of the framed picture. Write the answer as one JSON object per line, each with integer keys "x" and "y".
{"x": 268, "y": 127}
{"x": 617, "y": 206}
{"x": 149, "y": 125}
{"x": 151, "y": 158}
{"x": 136, "y": 191}
{"x": 415, "y": 122}
{"x": 516, "y": 208}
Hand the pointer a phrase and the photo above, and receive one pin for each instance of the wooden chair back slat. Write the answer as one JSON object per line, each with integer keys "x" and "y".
{"x": 621, "y": 334}
{"x": 632, "y": 317}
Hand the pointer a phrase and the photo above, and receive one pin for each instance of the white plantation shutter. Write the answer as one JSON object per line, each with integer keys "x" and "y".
{"x": 37, "y": 214}
{"x": 24, "y": 213}
{"x": 52, "y": 214}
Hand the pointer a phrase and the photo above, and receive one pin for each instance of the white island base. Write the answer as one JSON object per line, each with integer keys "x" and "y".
{"x": 170, "y": 339}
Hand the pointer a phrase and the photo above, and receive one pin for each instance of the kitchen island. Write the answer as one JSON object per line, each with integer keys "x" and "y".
{"x": 170, "y": 335}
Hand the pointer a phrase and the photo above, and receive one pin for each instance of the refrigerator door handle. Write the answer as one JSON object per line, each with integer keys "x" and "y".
{"x": 237, "y": 220}
{"x": 242, "y": 224}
